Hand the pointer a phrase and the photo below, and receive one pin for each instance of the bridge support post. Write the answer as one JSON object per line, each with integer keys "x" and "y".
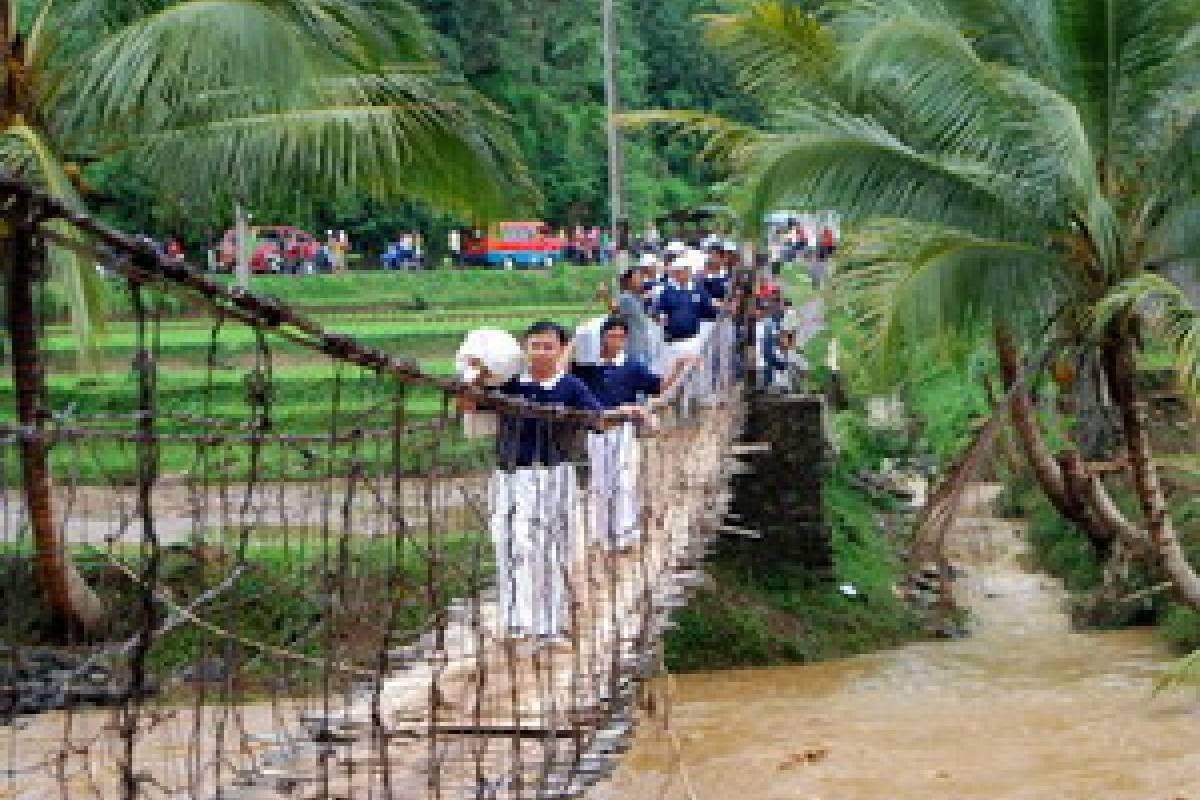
{"x": 780, "y": 495}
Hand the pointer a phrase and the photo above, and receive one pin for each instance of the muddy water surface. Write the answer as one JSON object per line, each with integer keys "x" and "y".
{"x": 1025, "y": 709}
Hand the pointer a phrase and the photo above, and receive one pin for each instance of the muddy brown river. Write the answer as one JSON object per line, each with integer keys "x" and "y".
{"x": 1025, "y": 709}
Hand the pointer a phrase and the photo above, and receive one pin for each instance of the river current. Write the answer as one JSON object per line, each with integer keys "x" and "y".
{"x": 1024, "y": 709}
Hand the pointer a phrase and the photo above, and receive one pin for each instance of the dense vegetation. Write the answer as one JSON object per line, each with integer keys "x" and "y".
{"x": 540, "y": 63}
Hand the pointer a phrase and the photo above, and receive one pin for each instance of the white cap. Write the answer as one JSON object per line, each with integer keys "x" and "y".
{"x": 676, "y": 247}
{"x": 650, "y": 260}
{"x": 731, "y": 246}
{"x": 691, "y": 260}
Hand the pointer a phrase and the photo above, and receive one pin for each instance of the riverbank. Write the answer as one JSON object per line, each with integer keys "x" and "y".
{"x": 1108, "y": 594}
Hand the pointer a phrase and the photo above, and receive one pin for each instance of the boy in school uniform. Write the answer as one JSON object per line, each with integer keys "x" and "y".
{"x": 533, "y": 491}
{"x": 687, "y": 313}
{"x": 617, "y": 380}
{"x": 681, "y": 306}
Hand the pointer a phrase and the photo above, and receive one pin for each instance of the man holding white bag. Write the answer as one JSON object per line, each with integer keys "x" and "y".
{"x": 532, "y": 496}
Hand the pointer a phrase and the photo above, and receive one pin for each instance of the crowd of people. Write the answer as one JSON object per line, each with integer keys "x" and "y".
{"x": 663, "y": 327}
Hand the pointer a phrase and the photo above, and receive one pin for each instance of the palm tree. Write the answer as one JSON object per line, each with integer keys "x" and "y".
{"x": 231, "y": 96}
{"x": 1025, "y": 166}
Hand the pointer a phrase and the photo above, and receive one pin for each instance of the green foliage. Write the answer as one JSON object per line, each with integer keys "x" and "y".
{"x": 1059, "y": 548}
{"x": 1180, "y": 627}
{"x": 216, "y": 101}
{"x": 277, "y": 600}
{"x": 540, "y": 64}
{"x": 1003, "y": 162}
{"x": 757, "y": 616}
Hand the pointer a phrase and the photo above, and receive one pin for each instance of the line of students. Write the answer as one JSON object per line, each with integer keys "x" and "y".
{"x": 671, "y": 303}
{"x": 535, "y": 507}
{"x": 534, "y": 503}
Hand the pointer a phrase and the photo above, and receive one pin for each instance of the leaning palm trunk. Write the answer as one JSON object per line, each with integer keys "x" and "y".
{"x": 1165, "y": 542}
{"x": 1100, "y": 504}
{"x": 1012, "y": 458}
{"x": 1042, "y": 463}
{"x": 70, "y": 598}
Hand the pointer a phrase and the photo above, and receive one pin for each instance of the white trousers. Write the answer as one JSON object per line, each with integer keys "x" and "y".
{"x": 698, "y": 385}
{"x": 613, "y": 481}
{"x": 533, "y": 527}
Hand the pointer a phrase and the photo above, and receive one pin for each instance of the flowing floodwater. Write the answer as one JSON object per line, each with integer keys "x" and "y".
{"x": 1023, "y": 709}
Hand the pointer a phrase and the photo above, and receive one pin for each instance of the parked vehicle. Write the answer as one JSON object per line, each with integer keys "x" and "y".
{"x": 277, "y": 248}
{"x": 515, "y": 244}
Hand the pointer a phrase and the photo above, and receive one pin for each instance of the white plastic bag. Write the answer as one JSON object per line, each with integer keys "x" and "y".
{"x": 499, "y": 352}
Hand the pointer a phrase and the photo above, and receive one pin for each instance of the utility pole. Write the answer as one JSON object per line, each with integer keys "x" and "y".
{"x": 244, "y": 250}
{"x": 616, "y": 165}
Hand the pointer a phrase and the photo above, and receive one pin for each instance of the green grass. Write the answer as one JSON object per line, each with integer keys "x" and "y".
{"x": 301, "y": 402}
{"x": 280, "y": 599}
{"x": 192, "y": 343}
{"x": 439, "y": 289}
{"x": 303, "y": 383}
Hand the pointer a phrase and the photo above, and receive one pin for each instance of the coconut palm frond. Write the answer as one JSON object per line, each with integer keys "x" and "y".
{"x": 133, "y": 80}
{"x": 722, "y": 137}
{"x": 776, "y": 47}
{"x": 826, "y": 157}
{"x": 1175, "y": 237}
{"x": 1135, "y": 57}
{"x": 1023, "y": 33}
{"x": 937, "y": 93}
{"x": 1168, "y": 312}
{"x": 909, "y": 282}
{"x": 389, "y": 151}
{"x": 24, "y": 152}
{"x": 1172, "y": 163}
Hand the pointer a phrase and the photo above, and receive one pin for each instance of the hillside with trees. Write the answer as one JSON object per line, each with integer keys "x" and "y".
{"x": 541, "y": 65}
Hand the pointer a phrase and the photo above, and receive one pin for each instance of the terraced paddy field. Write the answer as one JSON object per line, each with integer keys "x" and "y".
{"x": 205, "y": 376}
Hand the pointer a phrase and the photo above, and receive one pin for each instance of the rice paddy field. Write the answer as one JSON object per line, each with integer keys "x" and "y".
{"x": 418, "y": 315}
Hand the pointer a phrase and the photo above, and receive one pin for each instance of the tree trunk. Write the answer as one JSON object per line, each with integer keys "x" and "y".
{"x": 1012, "y": 459}
{"x": 1120, "y": 358}
{"x": 70, "y": 598}
{"x": 1100, "y": 504}
{"x": 1042, "y": 462}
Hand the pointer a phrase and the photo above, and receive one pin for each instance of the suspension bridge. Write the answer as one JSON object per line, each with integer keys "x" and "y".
{"x": 176, "y": 533}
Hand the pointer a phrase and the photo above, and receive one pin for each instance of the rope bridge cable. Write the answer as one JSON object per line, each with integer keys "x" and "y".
{"x": 329, "y": 591}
